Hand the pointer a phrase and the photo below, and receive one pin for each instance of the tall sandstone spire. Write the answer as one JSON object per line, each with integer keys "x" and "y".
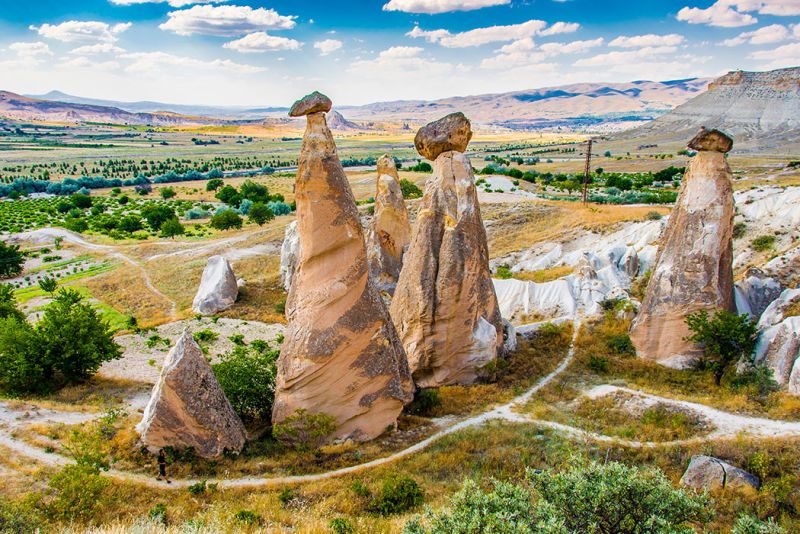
{"x": 341, "y": 355}
{"x": 445, "y": 308}
{"x": 390, "y": 232}
{"x": 694, "y": 264}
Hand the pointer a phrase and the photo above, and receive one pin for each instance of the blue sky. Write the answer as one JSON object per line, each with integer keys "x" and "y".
{"x": 237, "y": 52}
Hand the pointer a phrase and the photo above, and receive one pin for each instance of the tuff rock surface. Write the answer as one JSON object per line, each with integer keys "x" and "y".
{"x": 188, "y": 407}
{"x": 290, "y": 254}
{"x": 693, "y": 267}
{"x": 451, "y": 132}
{"x": 218, "y": 287}
{"x": 709, "y": 473}
{"x": 341, "y": 355}
{"x": 444, "y": 307}
{"x": 779, "y": 340}
{"x": 315, "y": 102}
{"x": 390, "y": 232}
{"x": 755, "y": 292}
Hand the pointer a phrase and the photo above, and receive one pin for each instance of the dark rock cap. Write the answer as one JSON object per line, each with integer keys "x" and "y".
{"x": 711, "y": 141}
{"x": 312, "y": 103}
{"x": 452, "y": 132}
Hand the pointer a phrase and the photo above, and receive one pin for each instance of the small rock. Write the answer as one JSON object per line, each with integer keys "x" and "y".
{"x": 312, "y": 103}
{"x": 452, "y": 132}
{"x": 709, "y": 473}
{"x": 218, "y": 287}
{"x": 712, "y": 141}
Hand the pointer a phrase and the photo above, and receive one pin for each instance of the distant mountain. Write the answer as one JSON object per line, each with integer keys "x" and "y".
{"x": 337, "y": 122}
{"x": 757, "y": 108}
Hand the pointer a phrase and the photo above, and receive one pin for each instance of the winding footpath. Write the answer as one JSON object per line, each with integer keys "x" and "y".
{"x": 727, "y": 425}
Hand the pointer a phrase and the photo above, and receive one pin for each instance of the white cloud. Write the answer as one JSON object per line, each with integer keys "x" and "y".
{"x": 774, "y": 33}
{"x": 86, "y": 63}
{"x": 99, "y": 48}
{"x": 491, "y": 34}
{"x": 262, "y": 42}
{"x": 225, "y": 21}
{"x": 30, "y": 50}
{"x": 796, "y": 31}
{"x": 574, "y": 47}
{"x": 520, "y": 45}
{"x": 626, "y": 57}
{"x": 784, "y": 56}
{"x": 398, "y": 61}
{"x": 81, "y": 31}
{"x": 150, "y": 62}
{"x": 173, "y": 3}
{"x": 524, "y": 52}
{"x": 735, "y": 13}
{"x": 327, "y": 46}
{"x": 650, "y": 39}
{"x": 440, "y": 6}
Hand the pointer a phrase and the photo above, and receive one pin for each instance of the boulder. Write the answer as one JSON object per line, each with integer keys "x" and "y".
{"x": 290, "y": 253}
{"x": 778, "y": 345}
{"x": 390, "y": 231}
{"x": 218, "y": 287}
{"x": 452, "y": 132}
{"x": 756, "y": 292}
{"x": 509, "y": 337}
{"x": 444, "y": 307}
{"x": 711, "y": 141}
{"x": 709, "y": 473}
{"x": 341, "y": 355}
{"x": 315, "y": 102}
{"x": 188, "y": 407}
{"x": 693, "y": 267}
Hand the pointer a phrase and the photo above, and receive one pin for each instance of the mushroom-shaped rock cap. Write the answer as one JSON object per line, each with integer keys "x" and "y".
{"x": 711, "y": 141}
{"x": 313, "y": 103}
{"x": 452, "y": 132}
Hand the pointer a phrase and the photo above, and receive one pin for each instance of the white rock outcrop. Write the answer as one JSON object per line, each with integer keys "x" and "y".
{"x": 218, "y": 289}
{"x": 290, "y": 254}
{"x": 779, "y": 340}
{"x": 755, "y": 293}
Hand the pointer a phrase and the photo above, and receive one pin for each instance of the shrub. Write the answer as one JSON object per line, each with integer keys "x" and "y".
{"x": 11, "y": 260}
{"x": 78, "y": 489}
{"x": 226, "y": 220}
{"x": 214, "y": 184}
{"x": 621, "y": 344}
{"x": 247, "y": 517}
{"x": 758, "y": 380}
{"x": 156, "y": 215}
{"x": 598, "y": 364}
{"x": 762, "y": 243}
{"x": 81, "y": 201}
{"x": 748, "y": 524}
{"x": 260, "y": 213}
{"x": 739, "y": 230}
{"x": 158, "y": 513}
{"x": 425, "y": 400}
{"x": 503, "y": 272}
{"x": 8, "y": 303}
{"x": 167, "y": 193}
{"x": 303, "y": 430}
{"x": 398, "y": 494}
{"x": 247, "y": 376}
{"x": 422, "y": 166}
{"x": 172, "y": 227}
{"x": 285, "y": 496}
{"x": 341, "y": 525}
{"x": 410, "y": 189}
{"x": 653, "y": 216}
{"x": 198, "y": 488}
{"x": 229, "y": 195}
{"x": 48, "y": 284}
{"x": 726, "y": 338}
{"x": 130, "y": 224}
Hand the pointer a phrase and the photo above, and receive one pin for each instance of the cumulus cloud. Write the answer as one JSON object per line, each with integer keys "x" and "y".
{"x": 784, "y": 56}
{"x": 432, "y": 7}
{"x": 491, "y": 34}
{"x": 327, "y": 46}
{"x": 525, "y": 53}
{"x": 259, "y": 42}
{"x": 173, "y": 3}
{"x": 99, "y": 48}
{"x": 650, "y": 39}
{"x": 774, "y": 33}
{"x": 150, "y": 62}
{"x": 626, "y": 57}
{"x": 86, "y": 63}
{"x": 30, "y": 50}
{"x": 573, "y": 47}
{"x": 400, "y": 59}
{"x": 227, "y": 21}
{"x": 73, "y": 31}
{"x": 735, "y": 13}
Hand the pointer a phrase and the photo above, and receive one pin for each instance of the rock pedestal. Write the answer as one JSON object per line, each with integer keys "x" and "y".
{"x": 341, "y": 355}
{"x": 188, "y": 407}
{"x": 390, "y": 232}
{"x": 218, "y": 287}
{"x": 693, "y": 268}
{"x": 444, "y": 307}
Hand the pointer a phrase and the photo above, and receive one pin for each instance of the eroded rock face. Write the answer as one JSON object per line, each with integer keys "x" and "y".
{"x": 341, "y": 355}
{"x": 693, "y": 267}
{"x": 445, "y": 308}
{"x": 188, "y": 407}
{"x": 390, "y": 232}
{"x": 315, "y": 102}
{"x": 452, "y": 132}
{"x": 290, "y": 254}
{"x": 779, "y": 340}
{"x": 218, "y": 287}
{"x": 756, "y": 292}
{"x": 709, "y": 473}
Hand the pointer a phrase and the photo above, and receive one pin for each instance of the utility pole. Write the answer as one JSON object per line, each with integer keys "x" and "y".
{"x": 586, "y": 170}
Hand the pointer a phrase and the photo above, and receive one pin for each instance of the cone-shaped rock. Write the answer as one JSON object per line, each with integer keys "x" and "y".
{"x": 445, "y": 308}
{"x": 693, "y": 268}
{"x": 390, "y": 232}
{"x": 341, "y": 355}
{"x": 188, "y": 407}
{"x": 218, "y": 287}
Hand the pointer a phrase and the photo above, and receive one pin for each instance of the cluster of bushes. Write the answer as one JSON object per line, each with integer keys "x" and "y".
{"x": 410, "y": 189}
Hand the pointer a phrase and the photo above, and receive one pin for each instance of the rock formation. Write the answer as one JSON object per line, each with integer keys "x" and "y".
{"x": 188, "y": 408}
{"x": 390, "y": 232}
{"x": 756, "y": 292}
{"x": 290, "y": 253}
{"x": 779, "y": 340}
{"x": 218, "y": 287}
{"x": 445, "y": 308}
{"x": 341, "y": 355}
{"x": 709, "y": 473}
{"x": 693, "y": 267}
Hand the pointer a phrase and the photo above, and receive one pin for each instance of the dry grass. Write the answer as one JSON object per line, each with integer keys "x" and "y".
{"x": 125, "y": 290}
{"x": 545, "y": 275}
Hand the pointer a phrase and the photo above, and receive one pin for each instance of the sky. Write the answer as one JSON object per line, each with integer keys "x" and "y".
{"x": 250, "y": 53}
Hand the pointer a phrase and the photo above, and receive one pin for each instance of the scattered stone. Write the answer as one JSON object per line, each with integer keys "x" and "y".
{"x": 341, "y": 355}
{"x": 509, "y": 337}
{"x": 445, "y": 308}
{"x": 290, "y": 254}
{"x": 390, "y": 232}
{"x": 312, "y": 103}
{"x": 188, "y": 407}
{"x": 693, "y": 268}
{"x": 709, "y": 473}
{"x": 218, "y": 287}
{"x": 452, "y": 132}
{"x": 711, "y": 140}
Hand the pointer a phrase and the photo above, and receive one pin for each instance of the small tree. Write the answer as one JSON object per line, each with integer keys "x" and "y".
{"x": 11, "y": 260}
{"x": 247, "y": 376}
{"x": 156, "y": 215}
{"x": 130, "y": 223}
{"x": 726, "y": 338}
{"x": 171, "y": 228}
{"x": 214, "y": 184}
{"x": 167, "y": 193}
{"x": 260, "y": 213}
{"x": 48, "y": 284}
{"x": 226, "y": 220}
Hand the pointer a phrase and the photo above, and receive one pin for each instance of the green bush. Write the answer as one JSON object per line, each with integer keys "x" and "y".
{"x": 621, "y": 344}
{"x": 748, "y": 524}
{"x": 653, "y": 216}
{"x": 158, "y": 513}
{"x": 78, "y": 489}
{"x": 398, "y": 494}
{"x": 205, "y": 336}
{"x": 424, "y": 401}
{"x": 726, "y": 339}
{"x": 410, "y": 189}
{"x": 739, "y": 230}
{"x": 598, "y": 364}
{"x": 214, "y": 184}
{"x": 172, "y": 227}
{"x": 11, "y": 260}
{"x": 157, "y": 214}
{"x": 762, "y": 243}
{"x": 247, "y": 517}
{"x": 247, "y": 376}
{"x": 303, "y": 430}
{"x": 260, "y": 213}
{"x": 225, "y": 220}
{"x": 285, "y": 496}
{"x": 503, "y": 272}
{"x": 341, "y": 525}
{"x": 198, "y": 488}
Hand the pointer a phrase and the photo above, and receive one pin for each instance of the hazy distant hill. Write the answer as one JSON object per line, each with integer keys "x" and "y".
{"x": 757, "y": 108}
